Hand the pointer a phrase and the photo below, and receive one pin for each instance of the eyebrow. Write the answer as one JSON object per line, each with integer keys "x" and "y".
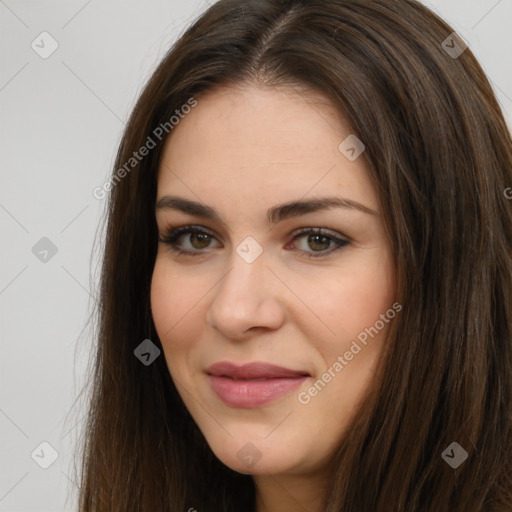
{"x": 275, "y": 214}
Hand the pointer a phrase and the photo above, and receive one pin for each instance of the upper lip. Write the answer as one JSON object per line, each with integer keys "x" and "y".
{"x": 254, "y": 370}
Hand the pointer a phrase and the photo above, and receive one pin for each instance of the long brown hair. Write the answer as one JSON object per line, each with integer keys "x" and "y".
{"x": 440, "y": 156}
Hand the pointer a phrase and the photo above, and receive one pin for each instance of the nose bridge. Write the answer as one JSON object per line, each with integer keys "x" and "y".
{"x": 245, "y": 298}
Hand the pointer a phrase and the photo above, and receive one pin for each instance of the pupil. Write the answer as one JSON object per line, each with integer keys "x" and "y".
{"x": 315, "y": 239}
{"x": 203, "y": 240}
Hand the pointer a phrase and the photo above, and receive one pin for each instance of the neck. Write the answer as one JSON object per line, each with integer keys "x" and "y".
{"x": 285, "y": 493}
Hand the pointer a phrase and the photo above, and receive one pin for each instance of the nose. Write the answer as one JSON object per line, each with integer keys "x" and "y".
{"x": 246, "y": 299}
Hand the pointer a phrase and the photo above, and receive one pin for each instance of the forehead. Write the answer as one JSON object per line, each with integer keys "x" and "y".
{"x": 272, "y": 143}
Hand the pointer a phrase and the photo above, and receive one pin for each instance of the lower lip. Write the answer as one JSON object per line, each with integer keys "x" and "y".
{"x": 253, "y": 393}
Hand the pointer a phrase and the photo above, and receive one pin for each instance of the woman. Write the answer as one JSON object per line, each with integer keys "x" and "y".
{"x": 306, "y": 297}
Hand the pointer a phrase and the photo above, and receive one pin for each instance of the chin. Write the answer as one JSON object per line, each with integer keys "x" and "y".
{"x": 258, "y": 456}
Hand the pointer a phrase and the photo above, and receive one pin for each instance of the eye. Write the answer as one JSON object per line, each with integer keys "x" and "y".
{"x": 320, "y": 240}
{"x": 193, "y": 240}
{"x": 196, "y": 238}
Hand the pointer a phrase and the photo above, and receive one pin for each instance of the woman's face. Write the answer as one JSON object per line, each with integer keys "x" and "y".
{"x": 270, "y": 333}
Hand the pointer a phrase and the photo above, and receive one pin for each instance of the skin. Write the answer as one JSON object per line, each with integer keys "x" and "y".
{"x": 241, "y": 151}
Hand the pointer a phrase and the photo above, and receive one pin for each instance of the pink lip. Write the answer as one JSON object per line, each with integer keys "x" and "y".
{"x": 253, "y": 384}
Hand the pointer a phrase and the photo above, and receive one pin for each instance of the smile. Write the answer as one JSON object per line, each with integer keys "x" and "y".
{"x": 253, "y": 384}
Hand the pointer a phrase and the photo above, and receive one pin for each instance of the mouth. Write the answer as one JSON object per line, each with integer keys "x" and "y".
{"x": 253, "y": 384}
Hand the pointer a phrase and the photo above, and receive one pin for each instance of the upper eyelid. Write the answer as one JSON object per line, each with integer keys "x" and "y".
{"x": 191, "y": 228}
{"x": 172, "y": 234}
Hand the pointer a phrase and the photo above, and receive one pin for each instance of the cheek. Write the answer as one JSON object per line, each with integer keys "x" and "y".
{"x": 350, "y": 306}
{"x": 164, "y": 300}
{"x": 175, "y": 296}
{"x": 175, "y": 305}
{"x": 366, "y": 298}
{"x": 356, "y": 298}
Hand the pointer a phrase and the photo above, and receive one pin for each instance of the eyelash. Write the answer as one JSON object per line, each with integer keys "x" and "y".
{"x": 172, "y": 233}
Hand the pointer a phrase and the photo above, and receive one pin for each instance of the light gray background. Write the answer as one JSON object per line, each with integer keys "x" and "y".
{"x": 61, "y": 119}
